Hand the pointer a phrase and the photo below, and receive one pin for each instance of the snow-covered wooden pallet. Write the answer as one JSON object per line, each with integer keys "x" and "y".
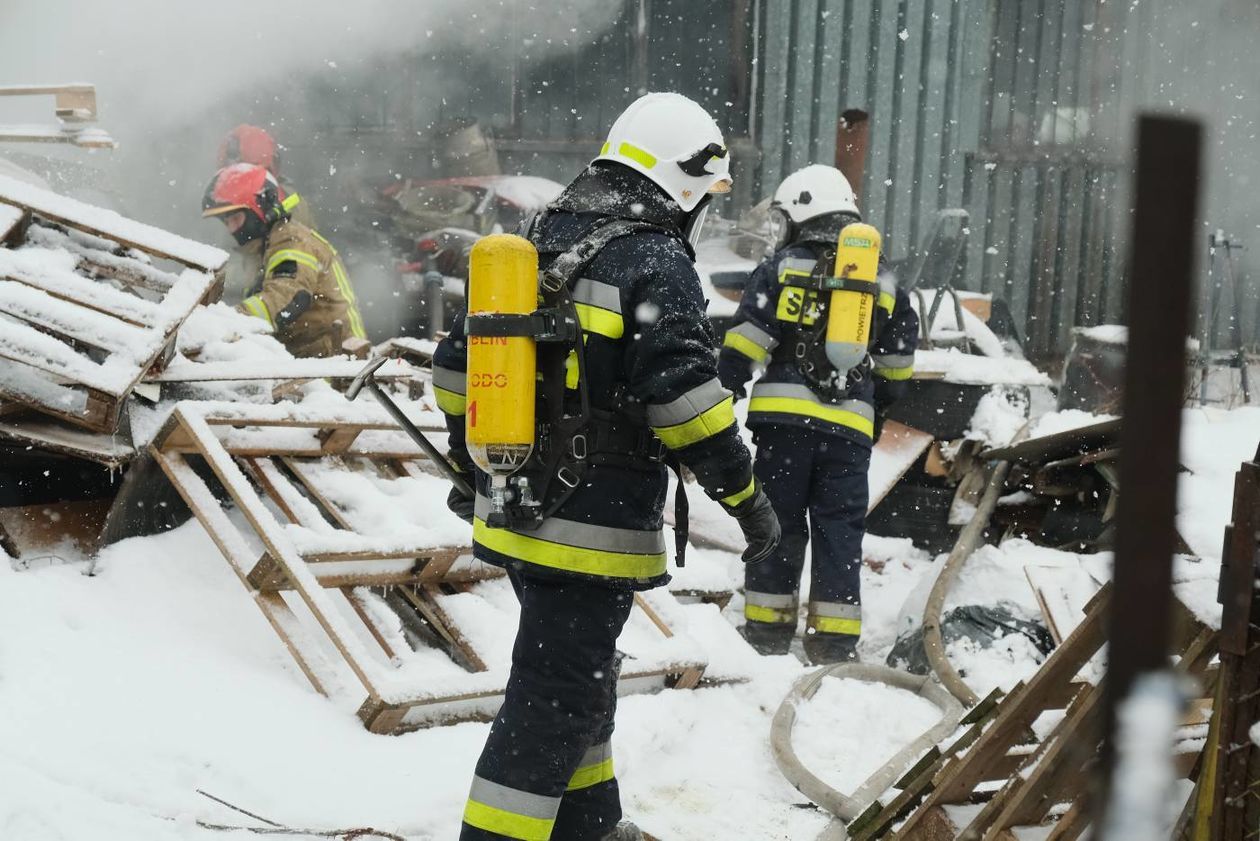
{"x": 332, "y": 508}
{"x": 1024, "y": 779}
{"x": 89, "y": 302}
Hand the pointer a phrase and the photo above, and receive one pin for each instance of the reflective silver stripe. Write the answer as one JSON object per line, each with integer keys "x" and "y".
{"x": 796, "y": 265}
{"x": 513, "y": 800}
{"x": 756, "y": 335}
{"x": 588, "y": 536}
{"x": 893, "y": 360}
{"x": 449, "y": 380}
{"x": 804, "y": 392}
{"x": 691, "y": 405}
{"x": 835, "y": 610}
{"x": 596, "y": 755}
{"x": 597, "y": 294}
{"x": 775, "y": 600}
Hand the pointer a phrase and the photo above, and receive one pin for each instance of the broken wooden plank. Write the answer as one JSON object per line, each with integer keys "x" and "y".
{"x": 108, "y": 224}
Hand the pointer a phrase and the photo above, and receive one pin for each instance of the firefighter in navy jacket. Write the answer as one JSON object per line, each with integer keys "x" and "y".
{"x": 654, "y": 393}
{"x": 813, "y": 427}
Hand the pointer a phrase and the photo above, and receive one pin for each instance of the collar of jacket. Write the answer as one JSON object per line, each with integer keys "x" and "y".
{"x": 618, "y": 192}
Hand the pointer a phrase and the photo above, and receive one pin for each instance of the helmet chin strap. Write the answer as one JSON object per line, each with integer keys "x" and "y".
{"x": 252, "y": 229}
{"x": 694, "y": 225}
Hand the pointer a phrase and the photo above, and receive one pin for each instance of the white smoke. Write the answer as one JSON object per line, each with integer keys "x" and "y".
{"x": 160, "y": 63}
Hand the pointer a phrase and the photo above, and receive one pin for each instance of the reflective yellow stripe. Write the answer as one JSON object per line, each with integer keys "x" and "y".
{"x": 569, "y": 558}
{"x": 770, "y": 615}
{"x": 284, "y": 255}
{"x": 601, "y": 321}
{"x": 291, "y": 201}
{"x": 895, "y": 373}
{"x": 258, "y": 308}
{"x": 507, "y": 823}
{"x": 592, "y": 775}
{"x": 746, "y": 346}
{"x": 797, "y": 406}
{"x": 640, "y": 156}
{"x": 347, "y": 292}
{"x": 736, "y": 498}
{"x": 604, "y": 149}
{"x": 835, "y": 625}
{"x": 887, "y": 301}
{"x": 450, "y": 402}
{"x": 705, "y": 425}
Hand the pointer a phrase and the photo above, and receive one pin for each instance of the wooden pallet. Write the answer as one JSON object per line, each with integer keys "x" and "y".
{"x": 1019, "y": 778}
{"x": 303, "y": 548}
{"x": 1227, "y": 803}
{"x": 90, "y": 303}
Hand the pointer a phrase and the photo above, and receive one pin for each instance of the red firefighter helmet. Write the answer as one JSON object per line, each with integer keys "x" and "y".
{"x": 250, "y": 145}
{"x": 244, "y": 187}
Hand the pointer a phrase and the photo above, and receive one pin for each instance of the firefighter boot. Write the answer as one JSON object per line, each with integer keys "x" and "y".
{"x": 823, "y": 649}
{"x": 768, "y": 638}
{"x": 624, "y": 831}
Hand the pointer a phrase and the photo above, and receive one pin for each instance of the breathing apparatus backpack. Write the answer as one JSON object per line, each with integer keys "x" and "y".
{"x": 827, "y": 350}
{"x": 523, "y": 427}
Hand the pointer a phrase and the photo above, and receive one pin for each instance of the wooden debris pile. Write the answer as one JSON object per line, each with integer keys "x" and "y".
{"x": 90, "y": 304}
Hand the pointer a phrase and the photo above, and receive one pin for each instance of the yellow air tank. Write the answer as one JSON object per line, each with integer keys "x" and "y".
{"x": 852, "y": 310}
{"x": 502, "y": 280}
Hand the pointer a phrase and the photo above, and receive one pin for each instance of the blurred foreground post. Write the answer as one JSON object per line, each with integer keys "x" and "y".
{"x": 1159, "y": 317}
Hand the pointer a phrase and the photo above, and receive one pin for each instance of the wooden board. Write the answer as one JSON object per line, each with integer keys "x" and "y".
{"x": 78, "y": 345}
{"x": 898, "y": 448}
{"x": 109, "y": 450}
{"x": 41, "y": 529}
{"x": 1062, "y": 592}
{"x": 279, "y": 369}
{"x": 110, "y": 225}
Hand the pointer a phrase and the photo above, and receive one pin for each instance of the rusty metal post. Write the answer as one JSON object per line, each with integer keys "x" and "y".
{"x": 1159, "y": 307}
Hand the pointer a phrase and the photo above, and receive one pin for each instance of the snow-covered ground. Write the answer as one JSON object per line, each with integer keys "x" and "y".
{"x": 123, "y": 693}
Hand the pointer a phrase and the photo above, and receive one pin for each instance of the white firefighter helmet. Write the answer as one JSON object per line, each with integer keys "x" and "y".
{"x": 674, "y": 142}
{"x": 813, "y": 191}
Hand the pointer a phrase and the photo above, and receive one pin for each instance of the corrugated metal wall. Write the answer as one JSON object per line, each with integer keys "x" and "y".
{"x": 1017, "y": 110}
{"x": 1020, "y": 111}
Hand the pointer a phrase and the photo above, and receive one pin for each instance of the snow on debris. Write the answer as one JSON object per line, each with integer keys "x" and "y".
{"x": 1053, "y": 423}
{"x": 1214, "y": 442}
{"x": 954, "y": 366}
{"x": 999, "y": 416}
{"x": 110, "y": 224}
{"x": 850, "y": 728}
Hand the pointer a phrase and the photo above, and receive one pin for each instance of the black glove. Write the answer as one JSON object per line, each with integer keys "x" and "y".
{"x": 461, "y": 505}
{"x": 760, "y": 525}
{"x": 880, "y": 416}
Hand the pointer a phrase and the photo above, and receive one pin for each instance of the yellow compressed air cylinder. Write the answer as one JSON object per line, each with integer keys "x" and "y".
{"x": 499, "y": 424}
{"x": 851, "y": 312}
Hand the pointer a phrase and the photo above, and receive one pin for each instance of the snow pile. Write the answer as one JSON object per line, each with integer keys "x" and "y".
{"x": 999, "y": 416}
{"x": 1213, "y": 443}
{"x": 850, "y": 728}
{"x": 992, "y": 363}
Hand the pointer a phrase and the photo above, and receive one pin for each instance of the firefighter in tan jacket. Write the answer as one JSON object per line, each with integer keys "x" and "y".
{"x": 303, "y": 291}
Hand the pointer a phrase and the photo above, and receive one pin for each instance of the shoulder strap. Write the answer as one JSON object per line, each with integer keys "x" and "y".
{"x": 569, "y": 263}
